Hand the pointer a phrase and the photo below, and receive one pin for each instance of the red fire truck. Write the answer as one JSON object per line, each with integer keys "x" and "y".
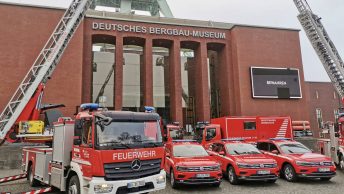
{"x": 100, "y": 152}
{"x": 187, "y": 162}
{"x": 243, "y": 161}
{"x": 248, "y": 128}
{"x": 297, "y": 161}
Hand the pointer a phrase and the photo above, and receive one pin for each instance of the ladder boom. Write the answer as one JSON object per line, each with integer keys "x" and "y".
{"x": 44, "y": 65}
{"x": 322, "y": 44}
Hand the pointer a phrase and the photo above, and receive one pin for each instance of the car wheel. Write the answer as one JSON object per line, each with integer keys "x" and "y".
{"x": 216, "y": 184}
{"x": 30, "y": 176}
{"x": 73, "y": 185}
{"x": 174, "y": 184}
{"x": 325, "y": 179}
{"x": 232, "y": 177}
{"x": 341, "y": 162}
{"x": 289, "y": 173}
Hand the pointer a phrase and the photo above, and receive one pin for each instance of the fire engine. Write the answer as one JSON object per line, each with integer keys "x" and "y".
{"x": 334, "y": 66}
{"x": 296, "y": 160}
{"x": 187, "y": 162}
{"x": 100, "y": 151}
{"x": 248, "y": 128}
{"x": 243, "y": 161}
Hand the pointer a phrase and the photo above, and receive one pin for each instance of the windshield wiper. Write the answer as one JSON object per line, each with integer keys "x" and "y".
{"x": 236, "y": 152}
{"x": 155, "y": 144}
{"x": 119, "y": 143}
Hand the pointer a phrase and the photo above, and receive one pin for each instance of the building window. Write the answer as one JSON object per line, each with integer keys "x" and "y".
{"x": 316, "y": 94}
{"x": 334, "y": 95}
{"x": 319, "y": 117}
{"x": 250, "y": 125}
{"x": 336, "y": 114}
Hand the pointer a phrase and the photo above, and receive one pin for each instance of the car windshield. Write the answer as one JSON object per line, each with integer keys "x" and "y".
{"x": 294, "y": 148}
{"x": 131, "y": 134}
{"x": 189, "y": 151}
{"x": 241, "y": 149}
{"x": 176, "y": 134}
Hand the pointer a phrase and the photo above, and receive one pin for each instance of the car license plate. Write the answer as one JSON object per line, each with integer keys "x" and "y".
{"x": 202, "y": 175}
{"x": 136, "y": 184}
{"x": 324, "y": 169}
{"x": 263, "y": 172}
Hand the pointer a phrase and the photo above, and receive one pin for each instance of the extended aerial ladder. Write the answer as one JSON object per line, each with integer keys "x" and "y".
{"x": 322, "y": 44}
{"x": 334, "y": 66}
{"x": 42, "y": 68}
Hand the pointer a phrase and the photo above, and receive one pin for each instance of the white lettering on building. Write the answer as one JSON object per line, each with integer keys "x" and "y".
{"x": 133, "y": 155}
{"x": 157, "y": 30}
{"x": 282, "y": 83}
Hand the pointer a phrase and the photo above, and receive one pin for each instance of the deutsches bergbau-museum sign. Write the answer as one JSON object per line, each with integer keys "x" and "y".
{"x": 157, "y": 30}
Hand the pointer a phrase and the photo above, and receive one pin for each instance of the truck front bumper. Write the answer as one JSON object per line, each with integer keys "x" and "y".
{"x": 151, "y": 183}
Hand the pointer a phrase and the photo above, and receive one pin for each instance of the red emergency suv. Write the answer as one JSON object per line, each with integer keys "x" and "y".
{"x": 187, "y": 162}
{"x": 243, "y": 161}
{"x": 297, "y": 161}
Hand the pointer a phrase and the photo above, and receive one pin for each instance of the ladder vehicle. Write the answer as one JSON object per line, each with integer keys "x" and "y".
{"x": 297, "y": 161}
{"x": 188, "y": 163}
{"x": 334, "y": 66}
{"x": 100, "y": 151}
{"x": 241, "y": 161}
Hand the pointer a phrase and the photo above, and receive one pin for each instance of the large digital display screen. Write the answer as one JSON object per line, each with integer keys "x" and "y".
{"x": 281, "y": 83}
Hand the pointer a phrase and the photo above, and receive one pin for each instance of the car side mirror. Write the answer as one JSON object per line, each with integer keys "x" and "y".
{"x": 77, "y": 141}
{"x": 274, "y": 152}
{"x": 222, "y": 153}
{"x": 168, "y": 155}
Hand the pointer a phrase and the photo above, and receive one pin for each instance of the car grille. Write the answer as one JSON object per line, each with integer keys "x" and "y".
{"x": 201, "y": 168}
{"x": 318, "y": 164}
{"x": 123, "y": 170}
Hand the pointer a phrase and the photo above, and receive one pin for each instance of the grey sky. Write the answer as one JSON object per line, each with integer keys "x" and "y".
{"x": 275, "y": 13}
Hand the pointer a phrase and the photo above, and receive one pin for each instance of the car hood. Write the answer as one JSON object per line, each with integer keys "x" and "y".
{"x": 253, "y": 159}
{"x": 195, "y": 161}
{"x": 310, "y": 157}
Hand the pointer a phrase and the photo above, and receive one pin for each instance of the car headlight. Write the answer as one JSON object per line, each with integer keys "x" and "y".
{"x": 217, "y": 167}
{"x": 161, "y": 179}
{"x": 103, "y": 188}
{"x": 303, "y": 163}
{"x": 182, "y": 168}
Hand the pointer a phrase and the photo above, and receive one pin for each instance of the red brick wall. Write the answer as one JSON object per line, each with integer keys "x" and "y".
{"x": 326, "y": 100}
{"x": 23, "y": 33}
{"x": 264, "y": 47}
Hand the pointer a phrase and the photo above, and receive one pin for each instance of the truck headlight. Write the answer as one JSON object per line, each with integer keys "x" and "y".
{"x": 103, "y": 188}
{"x": 160, "y": 179}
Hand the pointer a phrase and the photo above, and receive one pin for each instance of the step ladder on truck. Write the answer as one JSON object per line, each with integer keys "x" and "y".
{"x": 75, "y": 161}
{"x": 334, "y": 66}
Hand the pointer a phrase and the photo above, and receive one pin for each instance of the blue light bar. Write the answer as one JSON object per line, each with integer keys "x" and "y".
{"x": 89, "y": 106}
{"x": 279, "y": 138}
{"x": 149, "y": 109}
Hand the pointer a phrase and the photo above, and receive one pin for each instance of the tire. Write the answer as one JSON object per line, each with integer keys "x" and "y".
{"x": 271, "y": 181}
{"x": 232, "y": 177}
{"x": 325, "y": 179}
{"x": 341, "y": 162}
{"x": 173, "y": 182}
{"x": 73, "y": 185}
{"x": 30, "y": 177}
{"x": 216, "y": 184}
{"x": 289, "y": 173}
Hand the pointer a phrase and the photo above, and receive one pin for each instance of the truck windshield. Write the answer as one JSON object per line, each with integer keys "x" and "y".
{"x": 294, "y": 148}
{"x": 133, "y": 134}
{"x": 189, "y": 151}
{"x": 241, "y": 149}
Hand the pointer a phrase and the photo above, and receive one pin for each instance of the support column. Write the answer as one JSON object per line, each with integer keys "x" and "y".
{"x": 225, "y": 84}
{"x": 202, "y": 101}
{"x": 87, "y": 70}
{"x": 118, "y": 79}
{"x": 147, "y": 73}
{"x": 175, "y": 83}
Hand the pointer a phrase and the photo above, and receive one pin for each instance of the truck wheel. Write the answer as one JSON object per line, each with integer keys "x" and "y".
{"x": 30, "y": 177}
{"x": 73, "y": 185}
{"x": 232, "y": 177}
{"x": 174, "y": 184}
{"x": 289, "y": 173}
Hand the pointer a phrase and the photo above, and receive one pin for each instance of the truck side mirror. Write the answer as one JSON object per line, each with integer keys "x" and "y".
{"x": 168, "y": 155}
{"x": 77, "y": 142}
{"x": 222, "y": 153}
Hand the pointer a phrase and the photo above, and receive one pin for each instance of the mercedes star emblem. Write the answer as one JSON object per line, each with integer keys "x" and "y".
{"x": 136, "y": 164}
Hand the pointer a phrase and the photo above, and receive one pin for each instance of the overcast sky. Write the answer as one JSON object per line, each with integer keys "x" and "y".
{"x": 275, "y": 13}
